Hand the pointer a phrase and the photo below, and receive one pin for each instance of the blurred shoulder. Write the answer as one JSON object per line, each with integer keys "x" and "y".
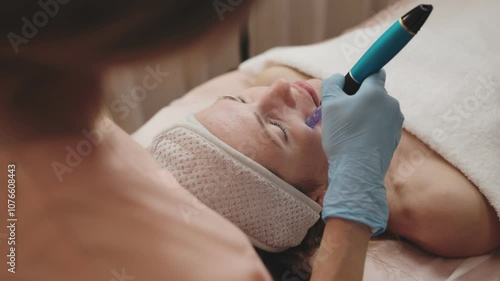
{"x": 435, "y": 206}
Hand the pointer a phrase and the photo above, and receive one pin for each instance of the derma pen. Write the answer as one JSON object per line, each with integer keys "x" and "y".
{"x": 381, "y": 52}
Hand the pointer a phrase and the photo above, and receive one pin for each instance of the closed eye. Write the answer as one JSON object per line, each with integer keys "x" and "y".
{"x": 272, "y": 122}
{"x": 238, "y": 98}
{"x": 281, "y": 126}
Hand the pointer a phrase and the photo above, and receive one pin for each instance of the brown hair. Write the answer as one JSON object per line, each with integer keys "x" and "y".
{"x": 294, "y": 261}
{"x": 55, "y": 50}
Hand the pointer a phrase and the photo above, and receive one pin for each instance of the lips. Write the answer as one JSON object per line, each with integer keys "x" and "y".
{"x": 307, "y": 89}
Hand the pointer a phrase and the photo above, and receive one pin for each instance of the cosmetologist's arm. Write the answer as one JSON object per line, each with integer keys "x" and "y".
{"x": 342, "y": 253}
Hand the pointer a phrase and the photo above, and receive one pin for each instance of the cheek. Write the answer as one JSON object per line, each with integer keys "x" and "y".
{"x": 313, "y": 157}
{"x": 310, "y": 173}
{"x": 309, "y": 143}
{"x": 315, "y": 163}
{"x": 258, "y": 149}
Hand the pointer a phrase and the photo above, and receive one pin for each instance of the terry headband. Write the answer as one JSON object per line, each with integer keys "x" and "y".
{"x": 272, "y": 213}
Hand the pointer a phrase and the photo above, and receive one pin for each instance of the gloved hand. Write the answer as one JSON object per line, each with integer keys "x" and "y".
{"x": 360, "y": 134}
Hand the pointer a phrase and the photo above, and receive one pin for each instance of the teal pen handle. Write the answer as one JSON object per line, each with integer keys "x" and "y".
{"x": 386, "y": 47}
{"x": 378, "y": 55}
{"x": 381, "y": 52}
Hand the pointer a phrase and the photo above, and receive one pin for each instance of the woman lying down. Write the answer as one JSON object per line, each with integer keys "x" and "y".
{"x": 252, "y": 158}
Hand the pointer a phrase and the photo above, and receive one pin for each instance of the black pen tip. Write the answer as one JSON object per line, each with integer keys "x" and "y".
{"x": 426, "y": 8}
{"x": 414, "y": 19}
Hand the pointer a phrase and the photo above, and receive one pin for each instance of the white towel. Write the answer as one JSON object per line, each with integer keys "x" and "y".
{"x": 446, "y": 80}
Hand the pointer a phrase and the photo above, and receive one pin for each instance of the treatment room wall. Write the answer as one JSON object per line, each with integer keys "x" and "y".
{"x": 271, "y": 23}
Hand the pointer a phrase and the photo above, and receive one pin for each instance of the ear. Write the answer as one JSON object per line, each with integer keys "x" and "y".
{"x": 321, "y": 195}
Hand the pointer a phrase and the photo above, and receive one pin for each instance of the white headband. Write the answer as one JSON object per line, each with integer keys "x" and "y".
{"x": 271, "y": 212}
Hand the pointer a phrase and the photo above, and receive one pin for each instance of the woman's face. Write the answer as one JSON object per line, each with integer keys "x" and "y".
{"x": 268, "y": 125}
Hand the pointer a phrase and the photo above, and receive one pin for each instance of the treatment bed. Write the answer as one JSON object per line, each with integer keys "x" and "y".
{"x": 459, "y": 43}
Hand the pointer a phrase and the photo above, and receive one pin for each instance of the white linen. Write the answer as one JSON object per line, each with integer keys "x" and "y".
{"x": 446, "y": 80}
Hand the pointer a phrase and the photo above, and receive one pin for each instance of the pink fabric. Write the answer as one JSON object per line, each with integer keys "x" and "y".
{"x": 395, "y": 260}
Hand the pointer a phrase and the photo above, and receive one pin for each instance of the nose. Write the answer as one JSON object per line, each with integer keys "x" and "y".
{"x": 278, "y": 95}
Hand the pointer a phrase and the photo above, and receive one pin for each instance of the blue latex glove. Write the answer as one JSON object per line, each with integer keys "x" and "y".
{"x": 360, "y": 134}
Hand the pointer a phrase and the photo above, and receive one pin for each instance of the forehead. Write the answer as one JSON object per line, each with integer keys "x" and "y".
{"x": 235, "y": 124}
{"x": 225, "y": 117}
{"x": 253, "y": 92}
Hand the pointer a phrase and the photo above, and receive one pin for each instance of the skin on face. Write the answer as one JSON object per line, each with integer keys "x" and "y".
{"x": 428, "y": 207}
{"x": 268, "y": 125}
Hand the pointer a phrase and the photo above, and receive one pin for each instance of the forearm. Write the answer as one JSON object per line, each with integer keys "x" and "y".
{"x": 342, "y": 253}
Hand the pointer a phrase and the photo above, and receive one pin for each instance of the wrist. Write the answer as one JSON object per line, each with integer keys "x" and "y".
{"x": 376, "y": 222}
{"x": 358, "y": 162}
{"x": 348, "y": 225}
{"x": 356, "y": 175}
{"x": 357, "y": 197}
{"x": 342, "y": 253}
